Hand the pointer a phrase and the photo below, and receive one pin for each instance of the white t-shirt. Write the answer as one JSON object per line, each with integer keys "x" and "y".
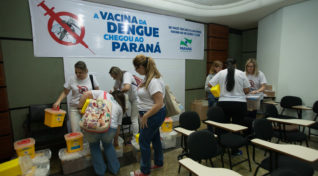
{"x": 78, "y": 87}
{"x": 256, "y": 81}
{"x": 208, "y": 78}
{"x": 128, "y": 79}
{"x": 144, "y": 98}
{"x": 117, "y": 111}
{"x": 237, "y": 93}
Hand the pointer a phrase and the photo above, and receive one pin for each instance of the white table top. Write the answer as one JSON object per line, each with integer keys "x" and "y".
{"x": 271, "y": 102}
{"x": 301, "y": 122}
{"x": 227, "y": 126}
{"x": 201, "y": 170}
{"x": 297, "y": 151}
{"x": 183, "y": 131}
{"x": 301, "y": 107}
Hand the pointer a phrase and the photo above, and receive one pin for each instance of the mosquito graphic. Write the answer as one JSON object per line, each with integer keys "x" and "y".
{"x": 62, "y": 32}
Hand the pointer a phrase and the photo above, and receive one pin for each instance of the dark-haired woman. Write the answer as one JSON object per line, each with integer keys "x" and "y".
{"x": 234, "y": 86}
{"x": 78, "y": 84}
{"x": 117, "y": 99}
{"x": 152, "y": 112}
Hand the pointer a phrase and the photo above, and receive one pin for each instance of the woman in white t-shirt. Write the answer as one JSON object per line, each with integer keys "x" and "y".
{"x": 257, "y": 80}
{"x": 78, "y": 85}
{"x": 126, "y": 83}
{"x": 152, "y": 112}
{"x": 117, "y": 99}
{"x": 234, "y": 86}
{"x": 214, "y": 69}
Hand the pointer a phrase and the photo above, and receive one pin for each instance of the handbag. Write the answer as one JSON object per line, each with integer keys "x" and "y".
{"x": 172, "y": 105}
{"x": 97, "y": 116}
{"x": 215, "y": 90}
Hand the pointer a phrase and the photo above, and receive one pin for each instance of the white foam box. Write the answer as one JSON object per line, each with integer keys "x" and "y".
{"x": 136, "y": 151}
{"x": 76, "y": 161}
{"x": 168, "y": 139}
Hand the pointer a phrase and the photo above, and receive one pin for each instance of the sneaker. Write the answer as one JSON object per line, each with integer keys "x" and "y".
{"x": 156, "y": 167}
{"x": 139, "y": 173}
{"x": 237, "y": 153}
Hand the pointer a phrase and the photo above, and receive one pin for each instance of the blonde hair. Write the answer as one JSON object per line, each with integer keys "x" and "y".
{"x": 253, "y": 61}
{"x": 215, "y": 64}
{"x": 117, "y": 72}
{"x": 150, "y": 68}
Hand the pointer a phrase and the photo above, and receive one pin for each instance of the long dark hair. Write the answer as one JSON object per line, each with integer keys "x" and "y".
{"x": 230, "y": 80}
{"x": 120, "y": 98}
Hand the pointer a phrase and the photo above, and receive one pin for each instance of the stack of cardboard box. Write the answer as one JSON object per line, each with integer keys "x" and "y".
{"x": 201, "y": 107}
{"x": 269, "y": 91}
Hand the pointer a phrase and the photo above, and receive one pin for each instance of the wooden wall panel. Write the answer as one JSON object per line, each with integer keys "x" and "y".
{"x": 215, "y": 30}
{"x": 3, "y": 100}
{"x": 217, "y": 43}
{"x": 2, "y": 76}
{"x": 216, "y": 55}
{"x": 5, "y": 123}
{"x": 6, "y": 147}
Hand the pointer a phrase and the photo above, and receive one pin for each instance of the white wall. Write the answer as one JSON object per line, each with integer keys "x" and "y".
{"x": 288, "y": 51}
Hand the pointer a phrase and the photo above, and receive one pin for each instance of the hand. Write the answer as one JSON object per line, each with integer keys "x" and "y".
{"x": 143, "y": 123}
{"x": 56, "y": 105}
{"x": 254, "y": 92}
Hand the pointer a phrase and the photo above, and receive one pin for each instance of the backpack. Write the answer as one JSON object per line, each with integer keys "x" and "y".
{"x": 138, "y": 80}
{"x": 172, "y": 105}
{"x": 97, "y": 116}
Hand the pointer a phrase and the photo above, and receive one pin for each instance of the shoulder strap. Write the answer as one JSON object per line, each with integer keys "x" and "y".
{"x": 105, "y": 97}
{"x": 91, "y": 78}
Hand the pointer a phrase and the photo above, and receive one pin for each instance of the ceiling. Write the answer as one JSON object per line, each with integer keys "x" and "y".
{"x": 237, "y": 14}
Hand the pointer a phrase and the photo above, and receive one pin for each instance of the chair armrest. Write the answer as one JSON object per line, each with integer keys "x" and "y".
{"x": 202, "y": 170}
{"x": 296, "y": 151}
{"x": 183, "y": 131}
{"x": 227, "y": 126}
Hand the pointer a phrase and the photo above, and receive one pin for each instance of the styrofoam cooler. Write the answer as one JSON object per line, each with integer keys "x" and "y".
{"x": 120, "y": 149}
{"x": 76, "y": 161}
{"x": 168, "y": 140}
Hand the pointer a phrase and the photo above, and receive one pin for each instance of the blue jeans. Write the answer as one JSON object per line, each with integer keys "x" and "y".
{"x": 211, "y": 100}
{"x": 109, "y": 151}
{"x": 148, "y": 135}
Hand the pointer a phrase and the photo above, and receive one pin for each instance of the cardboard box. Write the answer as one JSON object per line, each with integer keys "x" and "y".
{"x": 201, "y": 107}
{"x": 269, "y": 93}
{"x": 268, "y": 87}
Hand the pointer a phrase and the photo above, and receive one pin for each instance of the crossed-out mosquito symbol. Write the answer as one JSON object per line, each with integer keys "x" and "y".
{"x": 65, "y": 27}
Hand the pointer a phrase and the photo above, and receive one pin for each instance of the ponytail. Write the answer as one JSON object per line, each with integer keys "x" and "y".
{"x": 230, "y": 80}
{"x": 120, "y": 98}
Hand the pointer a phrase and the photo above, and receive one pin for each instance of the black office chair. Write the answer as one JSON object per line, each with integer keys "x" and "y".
{"x": 281, "y": 132}
{"x": 263, "y": 130}
{"x": 126, "y": 124}
{"x": 227, "y": 139}
{"x": 189, "y": 120}
{"x": 287, "y": 102}
{"x": 45, "y": 137}
{"x": 202, "y": 145}
{"x": 315, "y": 125}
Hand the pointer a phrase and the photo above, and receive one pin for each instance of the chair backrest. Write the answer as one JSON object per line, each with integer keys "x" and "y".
{"x": 315, "y": 107}
{"x": 270, "y": 111}
{"x": 216, "y": 114}
{"x": 263, "y": 129}
{"x": 289, "y": 101}
{"x": 202, "y": 145}
{"x": 36, "y": 112}
{"x": 190, "y": 120}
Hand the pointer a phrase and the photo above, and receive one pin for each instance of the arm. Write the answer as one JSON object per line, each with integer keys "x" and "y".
{"x": 158, "y": 99}
{"x": 261, "y": 89}
{"x": 116, "y": 136}
{"x": 246, "y": 90}
{"x": 125, "y": 88}
{"x": 61, "y": 97}
{"x": 83, "y": 98}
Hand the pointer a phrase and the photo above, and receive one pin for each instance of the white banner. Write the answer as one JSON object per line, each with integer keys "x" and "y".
{"x": 75, "y": 28}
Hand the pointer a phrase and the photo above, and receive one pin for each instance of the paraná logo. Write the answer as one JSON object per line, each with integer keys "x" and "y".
{"x": 185, "y": 45}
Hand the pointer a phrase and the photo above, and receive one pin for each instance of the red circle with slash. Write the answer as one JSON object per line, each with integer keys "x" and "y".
{"x": 50, "y": 24}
